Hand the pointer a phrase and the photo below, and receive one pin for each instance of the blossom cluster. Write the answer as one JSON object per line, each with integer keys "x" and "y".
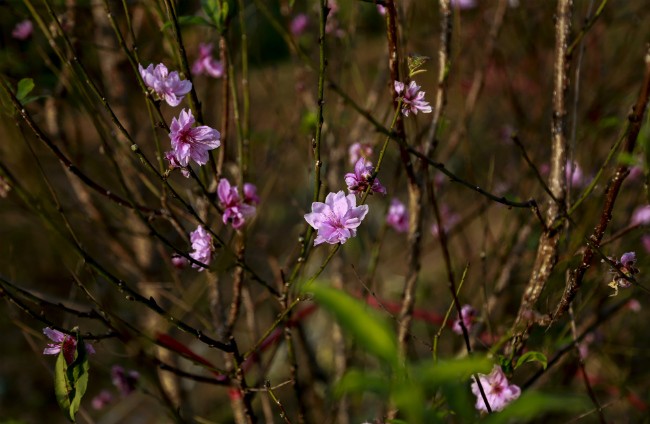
{"x": 165, "y": 85}
{"x": 337, "y": 219}
{"x": 63, "y": 342}
{"x": 190, "y": 142}
{"x": 625, "y": 266}
{"x": 206, "y": 64}
{"x": 202, "y": 244}
{"x": 237, "y": 210}
{"x": 498, "y": 391}
{"x": 412, "y": 98}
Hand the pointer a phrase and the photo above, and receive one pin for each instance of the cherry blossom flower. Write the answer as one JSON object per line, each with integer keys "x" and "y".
{"x": 168, "y": 86}
{"x": 123, "y": 381}
{"x": 469, "y": 315}
{"x": 463, "y": 4}
{"x": 398, "y": 216}
{"x": 625, "y": 266}
{"x": 103, "y": 399}
{"x": 645, "y": 240}
{"x": 190, "y": 142}
{"x": 575, "y": 176}
{"x": 23, "y": 30}
{"x": 206, "y": 64}
{"x": 497, "y": 390}
{"x": 63, "y": 341}
{"x": 381, "y": 9}
{"x": 235, "y": 211}
{"x": 202, "y": 244}
{"x": 449, "y": 220}
{"x": 641, "y": 216}
{"x": 332, "y": 25}
{"x": 359, "y": 150}
{"x": 412, "y": 98}
{"x": 299, "y": 24}
{"x": 179, "y": 261}
{"x": 337, "y": 219}
{"x": 250, "y": 194}
{"x": 359, "y": 180}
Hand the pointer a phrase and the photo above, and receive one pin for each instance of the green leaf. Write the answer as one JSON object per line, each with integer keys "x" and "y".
{"x": 625, "y": 158}
{"x": 187, "y": 21}
{"x": 451, "y": 371}
{"x": 25, "y": 86}
{"x": 71, "y": 381}
{"x": 532, "y": 406}
{"x": 356, "y": 381}
{"x": 532, "y": 356}
{"x": 367, "y": 328}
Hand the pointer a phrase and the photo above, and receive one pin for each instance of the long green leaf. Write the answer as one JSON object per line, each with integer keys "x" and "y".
{"x": 368, "y": 329}
{"x": 71, "y": 381}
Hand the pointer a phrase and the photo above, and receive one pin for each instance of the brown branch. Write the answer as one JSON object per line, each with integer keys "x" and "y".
{"x": 547, "y": 249}
{"x": 635, "y": 120}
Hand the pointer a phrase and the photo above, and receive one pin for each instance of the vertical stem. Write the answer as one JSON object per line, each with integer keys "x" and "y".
{"x": 324, "y": 11}
{"x": 547, "y": 248}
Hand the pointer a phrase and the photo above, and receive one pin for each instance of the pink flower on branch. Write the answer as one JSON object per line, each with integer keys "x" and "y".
{"x": 236, "y": 211}
{"x": 398, "y": 216}
{"x": 625, "y": 266}
{"x": 125, "y": 382}
{"x": 202, "y": 245}
{"x": 206, "y": 64}
{"x": 337, "y": 219}
{"x": 299, "y": 24}
{"x": 497, "y": 390}
{"x": 468, "y": 315}
{"x": 190, "y": 142}
{"x": 412, "y": 98}
{"x": 359, "y": 150}
{"x": 168, "y": 86}
{"x": 641, "y": 216}
{"x": 23, "y": 30}
{"x": 359, "y": 180}
{"x": 63, "y": 342}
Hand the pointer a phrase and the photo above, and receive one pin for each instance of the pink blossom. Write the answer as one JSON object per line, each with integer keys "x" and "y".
{"x": 381, "y": 9}
{"x": 332, "y": 25}
{"x": 575, "y": 176}
{"x": 626, "y": 266}
{"x": 202, "y": 244}
{"x": 634, "y": 305}
{"x": 636, "y": 172}
{"x": 359, "y": 150}
{"x": 398, "y": 216}
{"x": 412, "y": 99}
{"x": 206, "y": 63}
{"x": 449, "y": 220}
{"x": 337, "y": 219}
{"x": 359, "y": 180}
{"x": 23, "y": 30}
{"x": 65, "y": 342}
{"x": 190, "y": 142}
{"x": 645, "y": 240}
{"x": 179, "y": 262}
{"x": 464, "y": 4}
{"x": 103, "y": 399}
{"x": 250, "y": 194}
{"x": 299, "y": 24}
{"x": 497, "y": 390}
{"x": 168, "y": 86}
{"x": 235, "y": 211}
{"x": 123, "y": 381}
{"x": 641, "y": 216}
{"x": 469, "y": 315}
